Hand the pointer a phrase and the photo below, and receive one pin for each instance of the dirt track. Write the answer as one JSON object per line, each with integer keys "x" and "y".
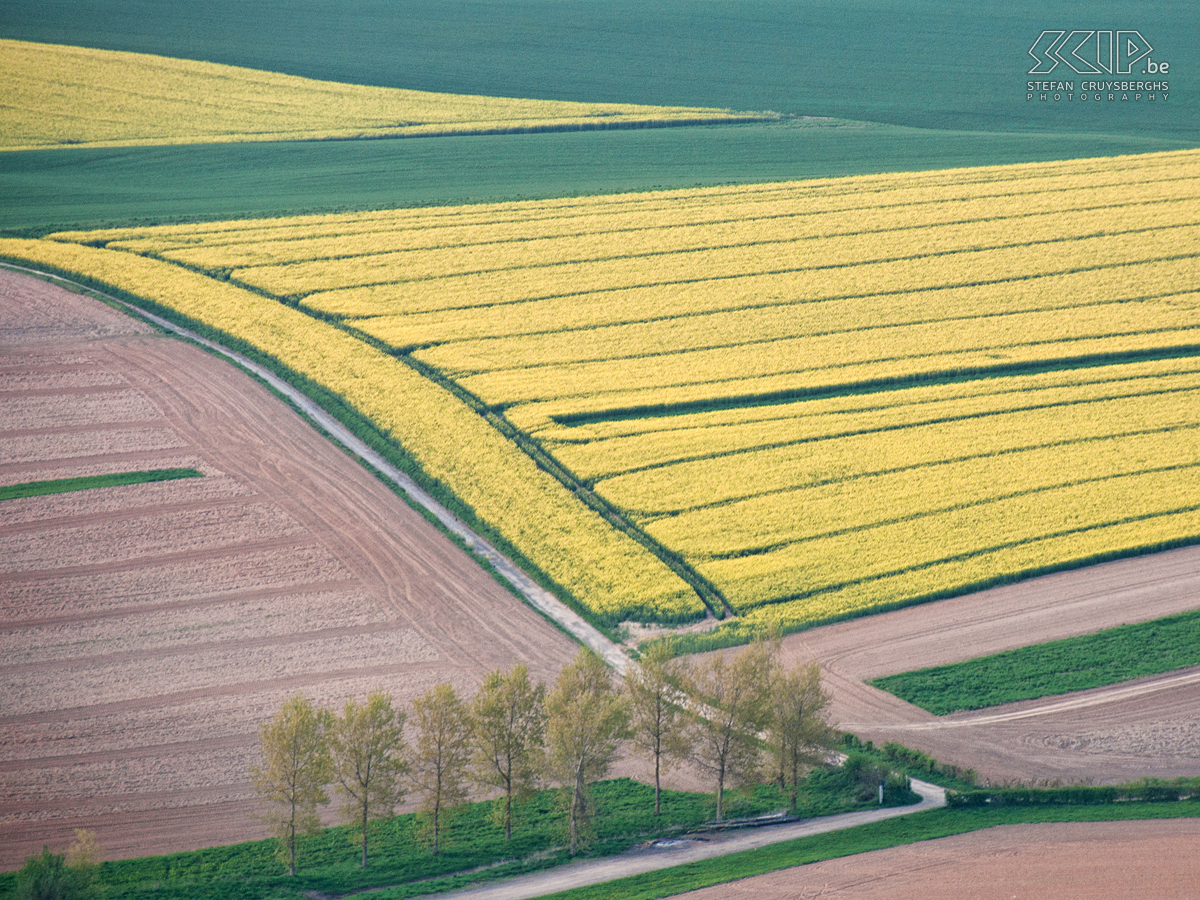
{"x": 1064, "y": 861}
{"x": 145, "y": 631}
{"x": 1122, "y": 732}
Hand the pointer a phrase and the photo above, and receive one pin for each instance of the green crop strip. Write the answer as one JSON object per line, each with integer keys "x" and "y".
{"x": 87, "y": 482}
{"x": 1041, "y": 670}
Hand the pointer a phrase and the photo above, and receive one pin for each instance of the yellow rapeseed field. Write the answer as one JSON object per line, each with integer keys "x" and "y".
{"x": 57, "y": 95}
{"x": 818, "y": 399}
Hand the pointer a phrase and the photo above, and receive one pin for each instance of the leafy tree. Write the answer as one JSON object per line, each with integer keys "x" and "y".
{"x": 48, "y": 877}
{"x": 439, "y": 762}
{"x": 296, "y": 768}
{"x": 509, "y": 730}
{"x": 658, "y": 723}
{"x": 83, "y": 858}
{"x": 737, "y": 704}
{"x": 586, "y": 718}
{"x": 367, "y": 745}
{"x": 800, "y": 735}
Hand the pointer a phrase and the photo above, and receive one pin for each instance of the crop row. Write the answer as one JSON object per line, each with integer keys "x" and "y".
{"x": 784, "y": 453}
{"x": 550, "y": 267}
{"x": 437, "y": 251}
{"x": 605, "y": 449}
{"x": 701, "y": 314}
{"x": 640, "y": 288}
{"x": 656, "y": 335}
{"x": 919, "y": 351}
{"x": 968, "y": 541}
{"x": 865, "y": 501}
{"x": 955, "y": 576}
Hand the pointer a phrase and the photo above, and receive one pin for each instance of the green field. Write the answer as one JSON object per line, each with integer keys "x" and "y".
{"x": 924, "y": 63}
{"x": 1056, "y": 667}
{"x": 956, "y": 90}
{"x": 87, "y": 482}
{"x": 47, "y": 190}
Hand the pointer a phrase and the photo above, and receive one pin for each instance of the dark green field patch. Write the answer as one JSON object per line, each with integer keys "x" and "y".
{"x": 1057, "y": 667}
{"x": 87, "y": 482}
{"x": 48, "y": 190}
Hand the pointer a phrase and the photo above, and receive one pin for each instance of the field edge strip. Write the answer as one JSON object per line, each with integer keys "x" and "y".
{"x": 88, "y": 482}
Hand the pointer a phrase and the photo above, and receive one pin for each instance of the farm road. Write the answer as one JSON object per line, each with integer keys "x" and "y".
{"x": 688, "y": 849}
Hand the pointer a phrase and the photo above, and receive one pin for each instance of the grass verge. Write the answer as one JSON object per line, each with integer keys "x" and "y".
{"x": 1056, "y": 667}
{"x": 474, "y": 849}
{"x": 87, "y": 482}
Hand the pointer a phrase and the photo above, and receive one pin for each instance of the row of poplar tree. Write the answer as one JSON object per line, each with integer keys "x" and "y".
{"x": 722, "y": 714}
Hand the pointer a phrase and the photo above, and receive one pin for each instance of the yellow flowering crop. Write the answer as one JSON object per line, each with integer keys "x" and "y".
{"x": 823, "y": 397}
{"x": 57, "y": 95}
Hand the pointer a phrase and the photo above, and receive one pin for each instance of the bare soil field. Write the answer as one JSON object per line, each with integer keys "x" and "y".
{"x": 1148, "y": 727}
{"x": 147, "y": 630}
{"x": 1066, "y": 861}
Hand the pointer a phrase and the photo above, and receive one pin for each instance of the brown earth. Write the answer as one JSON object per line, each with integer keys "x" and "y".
{"x": 1149, "y": 727}
{"x": 1063, "y": 861}
{"x": 147, "y": 630}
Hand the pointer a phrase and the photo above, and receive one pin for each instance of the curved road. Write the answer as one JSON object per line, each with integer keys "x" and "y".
{"x": 688, "y": 849}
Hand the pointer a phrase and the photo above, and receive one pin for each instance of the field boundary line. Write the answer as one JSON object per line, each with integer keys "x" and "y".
{"x": 537, "y": 596}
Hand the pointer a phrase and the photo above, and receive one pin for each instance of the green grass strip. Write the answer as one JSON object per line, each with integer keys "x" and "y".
{"x": 1057, "y": 667}
{"x": 63, "y": 485}
{"x": 936, "y": 823}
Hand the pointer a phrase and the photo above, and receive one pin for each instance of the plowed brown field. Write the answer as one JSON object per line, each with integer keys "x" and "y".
{"x": 1122, "y": 732}
{"x": 146, "y": 630}
{"x": 1066, "y": 861}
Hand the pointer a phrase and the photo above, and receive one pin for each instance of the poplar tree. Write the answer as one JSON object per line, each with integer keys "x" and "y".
{"x": 509, "y": 731}
{"x": 586, "y": 718}
{"x": 295, "y": 769}
{"x": 367, "y": 744}
{"x": 439, "y": 759}
{"x": 800, "y": 733}
{"x": 736, "y": 697}
{"x": 658, "y": 724}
